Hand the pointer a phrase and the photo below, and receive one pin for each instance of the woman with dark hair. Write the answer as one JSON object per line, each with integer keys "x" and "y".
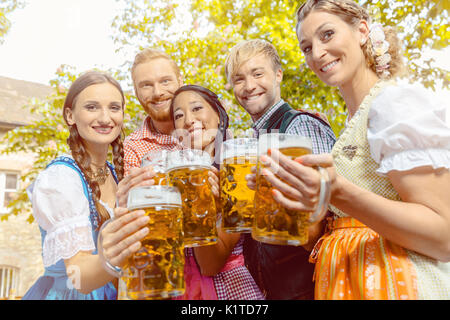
{"x": 213, "y": 271}
{"x": 75, "y": 194}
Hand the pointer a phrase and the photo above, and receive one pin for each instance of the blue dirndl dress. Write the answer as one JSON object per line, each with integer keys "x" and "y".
{"x": 55, "y": 284}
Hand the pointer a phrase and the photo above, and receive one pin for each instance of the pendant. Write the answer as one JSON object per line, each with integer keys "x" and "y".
{"x": 349, "y": 151}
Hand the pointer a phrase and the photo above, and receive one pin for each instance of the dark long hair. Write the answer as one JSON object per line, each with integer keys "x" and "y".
{"x": 76, "y": 143}
{"x": 214, "y": 102}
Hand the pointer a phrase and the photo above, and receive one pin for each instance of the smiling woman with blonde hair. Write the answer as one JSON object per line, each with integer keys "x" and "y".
{"x": 389, "y": 237}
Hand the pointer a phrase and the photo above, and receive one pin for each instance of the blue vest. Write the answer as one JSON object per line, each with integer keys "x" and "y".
{"x": 54, "y": 284}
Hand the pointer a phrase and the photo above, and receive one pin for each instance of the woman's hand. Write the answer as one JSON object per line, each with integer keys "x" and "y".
{"x": 296, "y": 184}
{"x": 251, "y": 179}
{"x": 122, "y": 236}
{"x": 136, "y": 177}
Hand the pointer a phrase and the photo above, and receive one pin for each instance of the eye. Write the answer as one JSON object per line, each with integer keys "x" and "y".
{"x": 116, "y": 107}
{"x": 306, "y": 49}
{"x": 327, "y": 35}
{"x": 197, "y": 108}
{"x": 238, "y": 80}
{"x": 258, "y": 74}
{"x": 90, "y": 107}
{"x": 178, "y": 116}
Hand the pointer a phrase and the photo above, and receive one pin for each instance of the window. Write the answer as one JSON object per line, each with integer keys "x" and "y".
{"x": 9, "y": 184}
{"x": 9, "y": 281}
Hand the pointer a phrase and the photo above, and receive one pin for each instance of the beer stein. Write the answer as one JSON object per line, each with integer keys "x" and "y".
{"x": 158, "y": 160}
{"x": 273, "y": 223}
{"x": 188, "y": 171}
{"x": 156, "y": 271}
{"x": 238, "y": 156}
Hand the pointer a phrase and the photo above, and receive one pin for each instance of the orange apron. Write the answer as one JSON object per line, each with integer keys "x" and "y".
{"x": 354, "y": 263}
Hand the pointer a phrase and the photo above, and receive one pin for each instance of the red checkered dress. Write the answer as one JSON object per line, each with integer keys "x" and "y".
{"x": 142, "y": 141}
{"x": 235, "y": 283}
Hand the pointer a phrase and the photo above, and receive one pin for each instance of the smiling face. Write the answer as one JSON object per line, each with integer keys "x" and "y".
{"x": 98, "y": 115}
{"x": 332, "y": 47}
{"x": 195, "y": 120}
{"x": 256, "y": 85}
{"x": 155, "y": 82}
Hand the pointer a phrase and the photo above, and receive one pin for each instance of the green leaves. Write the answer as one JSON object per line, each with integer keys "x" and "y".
{"x": 6, "y": 7}
{"x": 198, "y": 34}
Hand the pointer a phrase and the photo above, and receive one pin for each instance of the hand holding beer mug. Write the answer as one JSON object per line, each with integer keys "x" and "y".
{"x": 188, "y": 171}
{"x": 158, "y": 160}
{"x": 274, "y": 223}
{"x": 237, "y": 159}
{"x": 156, "y": 270}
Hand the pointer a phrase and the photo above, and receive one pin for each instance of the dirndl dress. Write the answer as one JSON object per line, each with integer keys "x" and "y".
{"x": 233, "y": 282}
{"x": 396, "y": 128}
{"x": 55, "y": 284}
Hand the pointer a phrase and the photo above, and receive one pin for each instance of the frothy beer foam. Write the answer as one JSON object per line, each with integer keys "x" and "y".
{"x": 237, "y": 148}
{"x": 282, "y": 141}
{"x": 147, "y": 196}
{"x": 188, "y": 157}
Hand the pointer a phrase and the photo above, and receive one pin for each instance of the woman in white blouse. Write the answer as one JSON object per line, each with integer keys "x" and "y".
{"x": 75, "y": 194}
{"x": 389, "y": 237}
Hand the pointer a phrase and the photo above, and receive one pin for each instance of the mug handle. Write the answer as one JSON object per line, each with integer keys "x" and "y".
{"x": 108, "y": 266}
{"x": 324, "y": 196}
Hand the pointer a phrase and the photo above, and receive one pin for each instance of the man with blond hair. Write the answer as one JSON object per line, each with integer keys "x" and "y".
{"x": 253, "y": 68}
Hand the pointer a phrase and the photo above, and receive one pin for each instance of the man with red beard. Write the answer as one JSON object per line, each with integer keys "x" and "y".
{"x": 155, "y": 78}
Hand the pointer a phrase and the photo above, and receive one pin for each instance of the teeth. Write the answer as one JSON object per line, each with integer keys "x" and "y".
{"x": 329, "y": 66}
{"x": 103, "y": 129}
{"x": 253, "y": 97}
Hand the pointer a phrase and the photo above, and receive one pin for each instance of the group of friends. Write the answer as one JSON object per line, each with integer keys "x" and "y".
{"x": 387, "y": 232}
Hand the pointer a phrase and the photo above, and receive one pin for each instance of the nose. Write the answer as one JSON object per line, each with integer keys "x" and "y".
{"x": 157, "y": 91}
{"x": 318, "y": 51}
{"x": 189, "y": 120}
{"x": 105, "y": 116}
{"x": 249, "y": 84}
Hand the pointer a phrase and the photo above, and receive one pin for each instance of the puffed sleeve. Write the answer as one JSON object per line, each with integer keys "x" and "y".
{"x": 408, "y": 128}
{"x": 62, "y": 210}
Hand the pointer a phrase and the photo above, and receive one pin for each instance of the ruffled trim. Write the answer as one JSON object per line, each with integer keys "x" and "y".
{"x": 410, "y": 159}
{"x": 65, "y": 241}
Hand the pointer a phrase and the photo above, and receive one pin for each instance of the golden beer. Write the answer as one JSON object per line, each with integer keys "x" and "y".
{"x": 158, "y": 160}
{"x": 236, "y": 198}
{"x": 273, "y": 223}
{"x": 189, "y": 173}
{"x": 156, "y": 271}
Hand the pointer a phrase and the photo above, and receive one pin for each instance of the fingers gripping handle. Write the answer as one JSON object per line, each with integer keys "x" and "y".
{"x": 109, "y": 267}
{"x": 324, "y": 196}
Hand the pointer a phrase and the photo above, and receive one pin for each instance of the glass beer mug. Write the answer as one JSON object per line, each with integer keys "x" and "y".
{"x": 156, "y": 271}
{"x": 158, "y": 160}
{"x": 238, "y": 156}
{"x": 273, "y": 223}
{"x": 188, "y": 171}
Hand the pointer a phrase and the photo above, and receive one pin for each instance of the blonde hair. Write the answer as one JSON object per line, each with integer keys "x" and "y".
{"x": 246, "y": 50}
{"x": 149, "y": 54}
{"x": 352, "y": 13}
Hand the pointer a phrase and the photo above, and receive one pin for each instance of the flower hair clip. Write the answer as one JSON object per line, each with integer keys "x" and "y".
{"x": 380, "y": 49}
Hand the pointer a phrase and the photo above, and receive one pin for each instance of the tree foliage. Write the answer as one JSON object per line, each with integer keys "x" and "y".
{"x": 198, "y": 34}
{"x": 6, "y": 7}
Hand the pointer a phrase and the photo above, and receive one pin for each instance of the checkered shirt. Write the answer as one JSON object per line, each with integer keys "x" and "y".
{"x": 322, "y": 136}
{"x": 142, "y": 141}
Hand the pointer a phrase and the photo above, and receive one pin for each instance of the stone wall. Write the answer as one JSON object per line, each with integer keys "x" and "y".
{"x": 20, "y": 247}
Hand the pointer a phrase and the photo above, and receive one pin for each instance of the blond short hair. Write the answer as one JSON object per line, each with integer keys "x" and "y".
{"x": 245, "y": 50}
{"x": 149, "y": 54}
